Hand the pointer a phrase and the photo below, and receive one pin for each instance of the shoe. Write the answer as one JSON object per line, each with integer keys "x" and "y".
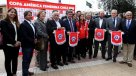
{"x": 65, "y": 63}
{"x": 60, "y": 64}
{"x": 30, "y": 73}
{"x": 108, "y": 59}
{"x": 114, "y": 60}
{"x": 43, "y": 69}
{"x": 122, "y": 62}
{"x": 94, "y": 56}
{"x": 14, "y": 75}
{"x": 129, "y": 64}
{"x": 103, "y": 57}
{"x": 72, "y": 61}
{"x": 54, "y": 66}
{"x": 90, "y": 57}
{"x": 79, "y": 58}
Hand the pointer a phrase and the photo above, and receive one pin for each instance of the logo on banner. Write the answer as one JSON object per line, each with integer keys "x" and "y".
{"x": 73, "y": 38}
{"x": 99, "y": 34}
{"x": 116, "y": 38}
{"x": 60, "y": 37}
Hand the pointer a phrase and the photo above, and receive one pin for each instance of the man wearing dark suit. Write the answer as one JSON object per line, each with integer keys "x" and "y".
{"x": 27, "y": 35}
{"x": 56, "y": 51}
{"x": 101, "y": 24}
{"x": 129, "y": 38}
{"x": 70, "y": 26}
{"x": 113, "y": 24}
{"x": 91, "y": 27}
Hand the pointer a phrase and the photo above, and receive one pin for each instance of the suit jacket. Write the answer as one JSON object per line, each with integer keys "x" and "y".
{"x": 41, "y": 29}
{"x": 51, "y": 26}
{"x": 91, "y": 27}
{"x": 103, "y": 26}
{"x": 67, "y": 25}
{"x": 129, "y": 35}
{"x": 111, "y": 26}
{"x": 27, "y": 35}
{"x": 8, "y": 32}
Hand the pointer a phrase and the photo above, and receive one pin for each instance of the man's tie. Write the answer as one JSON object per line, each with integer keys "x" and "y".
{"x": 71, "y": 26}
{"x": 128, "y": 24}
{"x": 114, "y": 22}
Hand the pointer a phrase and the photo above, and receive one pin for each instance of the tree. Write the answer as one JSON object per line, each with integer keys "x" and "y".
{"x": 123, "y": 5}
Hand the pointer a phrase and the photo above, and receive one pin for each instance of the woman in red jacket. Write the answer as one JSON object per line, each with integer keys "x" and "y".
{"x": 82, "y": 27}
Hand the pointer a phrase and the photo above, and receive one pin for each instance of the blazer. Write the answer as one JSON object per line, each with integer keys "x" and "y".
{"x": 91, "y": 27}
{"x": 111, "y": 26}
{"x": 129, "y": 35}
{"x": 67, "y": 25}
{"x": 27, "y": 35}
{"x": 51, "y": 26}
{"x": 103, "y": 26}
{"x": 41, "y": 29}
{"x": 8, "y": 32}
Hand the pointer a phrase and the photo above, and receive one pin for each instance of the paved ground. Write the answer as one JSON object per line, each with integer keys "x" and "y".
{"x": 85, "y": 67}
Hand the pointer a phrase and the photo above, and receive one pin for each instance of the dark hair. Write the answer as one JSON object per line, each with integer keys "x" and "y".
{"x": 80, "y": 20}
{"x": 26, "y": 13}
{"x": 78, "y": 11}
{"x": 38, "y": 15}
{"x": 69, "y": 11}
{"x": 15, "y": 19}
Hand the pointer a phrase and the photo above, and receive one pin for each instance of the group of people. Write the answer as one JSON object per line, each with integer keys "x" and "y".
{"x": 39, "y": 34}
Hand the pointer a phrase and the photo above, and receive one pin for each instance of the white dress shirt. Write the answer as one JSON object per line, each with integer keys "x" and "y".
{"x": 58, "y": 24}
{"x": 100, "y": 22}
{"x": 32, "y": 26}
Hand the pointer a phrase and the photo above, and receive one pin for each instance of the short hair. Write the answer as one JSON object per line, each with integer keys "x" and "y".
{"x": 55, "y": 13}
{"x": 78, "y": 11}
{"x": 114, "y": 10}
{"x": 26, "y": 13}
{"x": 128, "y": 12}
{"x": 69, "y": 11}
{"x": 38, "y": 15}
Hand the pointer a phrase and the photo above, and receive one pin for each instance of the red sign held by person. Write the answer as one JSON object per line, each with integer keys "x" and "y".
{"x": 99, "y": 34}
{"x": 73, "y": 38}
{"x": 60, "y": 37}
{"x": 116, "y": 38}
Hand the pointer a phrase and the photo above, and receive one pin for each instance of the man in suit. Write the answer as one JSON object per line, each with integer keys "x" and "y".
{"x": 101, "y": 24}
{"x": 113, "y": 24}
{"x": 56, "y": 51}
{"x": 70, "y": 26}
{"x": 91, "y": 27}
{"x": 129, "y": 38}
{"x": 27, "y": 32}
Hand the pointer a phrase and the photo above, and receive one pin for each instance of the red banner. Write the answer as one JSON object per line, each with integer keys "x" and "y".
{"x": 116, "y": 38}
{"x": 60, "y": 36}
{"x": 99, "y": 34}
{"x": 73, "y": 39}
{"x": 39, "y": 5}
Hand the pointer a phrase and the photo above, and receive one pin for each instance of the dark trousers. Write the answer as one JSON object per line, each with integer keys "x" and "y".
{"x": 61, "y": 53}
{"x": 103, "y": 50}
{"x": 112, "y": 48}
{"x": 81, "y": 48}
{"x": 42, "y": 56}
{"x": 70, "y": 53}
{"x": 11, "y": 59}
{"x": 53, "y": 53}
{"x": 27, "y": 57}
{"x": 89, "y": 46}
{"x": 135, "y": 51}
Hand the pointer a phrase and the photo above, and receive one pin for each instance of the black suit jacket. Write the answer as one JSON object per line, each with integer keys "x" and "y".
{"x": 129, "y": 34}
{"x": 51, "y": 26}
{"x": 103, "y": 26}
{"x": 8, "y": 32}
{"x": 91, "y": 27}
{"x": 27, "y": 35}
